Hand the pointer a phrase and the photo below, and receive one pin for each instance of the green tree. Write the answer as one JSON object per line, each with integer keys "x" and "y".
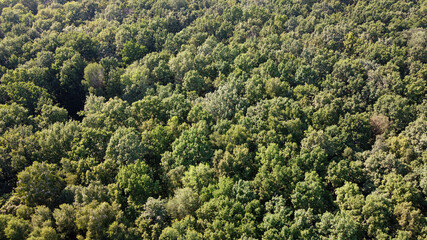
{"x": 17, "y": 228}
{"x": 17, "y": 146}
{"x": 44, "y": 233}
{"x": 135, "y": 181}
{"x": 135, "y": 82}
{"x": 125, "y": 146}
{"x": 303, "y": 226}
{"x": 11, "y": 115}
{"x": 192, "y": 147}
{"x": 409, "y": 218}
{"x": 132, "y": 51}
{"x": 55, "y": 142}
{"x": 220, "y": 217}
{"x": 347, "y": 78}
{"x": 153, "y": 219}
{"x": 185, "y": 201}
{"x": 182, "y": 229}
{"x": 310, "y": 193}
{"x": 94, "y": 78}
{"x": 194, "y": 82}
{"x": 65, "y": 221}
{"x": 39, "y": 184}
{"x": 277, "y": 120}
{"x": 400, "y": 189}
{"x": 417, "y": 45}
{"x": 92, "y": 144}
{"x": 358, "y": 129}
{"x": 198, "y": 177}
{"x": 157, "y": 141}
{"x": 277, "y": 215}
{"x": 42, "y": 217}
{"x": 25, "y": 93}
{"x": 378, "y": 214}
{"x": 109, "y": 115}
{"x": 305, "y": 75}
{"x": 339, "y": 226}
{"x": 395, "y": 107}
{"x": 95, "y": 219}
{"x": 177, "y": 105}
{"x": 71, "y": 92}
{"x": 350, "y": 200}
{"x": 4, "y": 219}
{"x": 50, "y": 114}
{"x": 224, "y": 102}
{"x": 239, "y": 163}
{"x": 273, "y": 176}
{"x": 150, "y": 107}
{"x": 80, "y": 41}
{"x": 182, "y": 63}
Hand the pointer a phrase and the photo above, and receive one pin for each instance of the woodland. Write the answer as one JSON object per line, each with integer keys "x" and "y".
{"x": 213, "y": 119}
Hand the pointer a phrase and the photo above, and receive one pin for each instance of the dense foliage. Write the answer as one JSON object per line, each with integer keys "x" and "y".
{"x": 213, "y": 119}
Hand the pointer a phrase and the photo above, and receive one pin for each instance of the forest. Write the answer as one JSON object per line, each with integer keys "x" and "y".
{"x": 213, "y": 119}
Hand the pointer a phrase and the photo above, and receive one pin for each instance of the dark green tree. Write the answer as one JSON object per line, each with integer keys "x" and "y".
{"x": 39, "y": 184}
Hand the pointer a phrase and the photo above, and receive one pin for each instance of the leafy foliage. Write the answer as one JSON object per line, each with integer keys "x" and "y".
{"x": 185, "y": 119}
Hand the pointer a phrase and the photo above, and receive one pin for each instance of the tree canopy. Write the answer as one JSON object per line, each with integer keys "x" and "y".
{"x": 213, "y": 119}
